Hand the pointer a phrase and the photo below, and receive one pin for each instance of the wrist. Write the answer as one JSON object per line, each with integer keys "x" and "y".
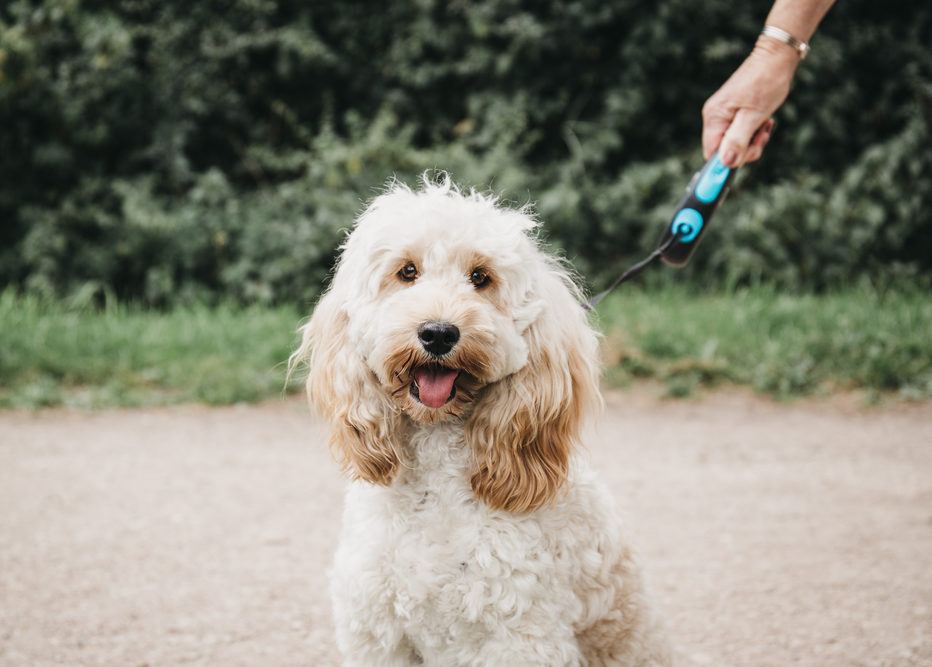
{"x": 776, "y": 54}
{"x": 785, "y": 39}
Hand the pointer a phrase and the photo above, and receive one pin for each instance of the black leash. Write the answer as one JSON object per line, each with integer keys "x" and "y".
{"x": 636, "y": 269}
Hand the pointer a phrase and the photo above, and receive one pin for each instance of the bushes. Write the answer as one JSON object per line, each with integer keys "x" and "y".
{"x": 172, "y": 152}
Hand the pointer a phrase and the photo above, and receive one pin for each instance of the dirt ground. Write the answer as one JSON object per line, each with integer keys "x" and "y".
{"x": 771, "y": 534}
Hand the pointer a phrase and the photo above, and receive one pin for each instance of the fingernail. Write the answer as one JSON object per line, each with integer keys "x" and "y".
{"x": 729, "y": 158}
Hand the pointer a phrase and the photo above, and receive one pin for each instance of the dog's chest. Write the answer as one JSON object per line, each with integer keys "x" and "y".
{"x": 438, "y": 520}
{"x": 452, "y": 565}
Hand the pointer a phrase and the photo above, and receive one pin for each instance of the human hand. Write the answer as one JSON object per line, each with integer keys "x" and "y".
{"x": 736, "y": 119}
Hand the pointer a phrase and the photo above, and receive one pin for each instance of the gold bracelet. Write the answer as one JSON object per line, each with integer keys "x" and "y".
{"x": 802, "y": 48}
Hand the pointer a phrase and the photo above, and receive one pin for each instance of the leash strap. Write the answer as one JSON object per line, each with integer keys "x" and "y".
{"x": 636, "y": 269}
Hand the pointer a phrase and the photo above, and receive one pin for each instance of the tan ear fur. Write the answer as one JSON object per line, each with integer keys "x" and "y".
{"x": 364, "y": 425}
{"x": 525, "y": 426}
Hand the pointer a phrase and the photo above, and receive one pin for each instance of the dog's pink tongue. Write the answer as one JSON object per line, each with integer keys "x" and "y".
{"x": 434, "y": 385}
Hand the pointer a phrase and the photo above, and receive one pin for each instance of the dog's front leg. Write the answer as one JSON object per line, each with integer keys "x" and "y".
{"x": 368, "y": 631}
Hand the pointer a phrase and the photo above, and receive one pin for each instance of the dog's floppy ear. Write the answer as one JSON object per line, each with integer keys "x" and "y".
{"x": 524, "y": 427}
{"x": 363, "y": 422}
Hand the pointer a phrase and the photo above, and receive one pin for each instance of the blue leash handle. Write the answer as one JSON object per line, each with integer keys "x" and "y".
{"x": 704, "y": 193}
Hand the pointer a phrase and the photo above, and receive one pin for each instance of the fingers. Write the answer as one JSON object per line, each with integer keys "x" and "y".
{"x": 739, "y": 144}
{"x": 714, "y": 130}
{"x": 760, "y": 139}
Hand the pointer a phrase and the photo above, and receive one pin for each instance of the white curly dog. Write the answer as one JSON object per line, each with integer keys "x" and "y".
{"x": 455, "y": 365}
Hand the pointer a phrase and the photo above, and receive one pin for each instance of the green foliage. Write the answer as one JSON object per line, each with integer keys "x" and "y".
{"x": 171, "y": 152}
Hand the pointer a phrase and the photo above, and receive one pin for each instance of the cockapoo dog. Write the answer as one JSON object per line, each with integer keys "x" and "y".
{"x": 454, "y": 363}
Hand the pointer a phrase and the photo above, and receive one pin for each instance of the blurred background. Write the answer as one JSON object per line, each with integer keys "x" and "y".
{"x": 168, "y": 154}
{"x": 175, "y": 178}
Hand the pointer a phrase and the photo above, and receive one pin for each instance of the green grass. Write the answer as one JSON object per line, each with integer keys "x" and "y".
{"x": 51, "y": 354}
{"x": 779, "y": 344}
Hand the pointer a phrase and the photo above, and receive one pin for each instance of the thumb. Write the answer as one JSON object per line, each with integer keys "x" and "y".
{"x": 713, "y": 129}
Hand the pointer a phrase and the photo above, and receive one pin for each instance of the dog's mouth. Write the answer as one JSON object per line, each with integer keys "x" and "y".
{"x": 434, "y": 385}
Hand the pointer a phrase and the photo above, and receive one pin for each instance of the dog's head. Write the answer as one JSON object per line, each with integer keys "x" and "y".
{"x": 443, "y": 307}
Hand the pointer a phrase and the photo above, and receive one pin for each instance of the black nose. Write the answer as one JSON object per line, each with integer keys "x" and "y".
{"x": 438, "y": 338}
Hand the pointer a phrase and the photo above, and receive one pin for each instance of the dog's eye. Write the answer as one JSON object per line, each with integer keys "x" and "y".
{"x": 480, "y": 278}
{"x": 408, "y": 273}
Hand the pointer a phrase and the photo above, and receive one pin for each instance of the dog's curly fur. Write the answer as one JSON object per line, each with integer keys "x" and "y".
{"x": 473, "y": 532}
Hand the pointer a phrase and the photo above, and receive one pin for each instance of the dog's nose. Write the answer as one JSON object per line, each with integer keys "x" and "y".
{"x": 438, "y": 338}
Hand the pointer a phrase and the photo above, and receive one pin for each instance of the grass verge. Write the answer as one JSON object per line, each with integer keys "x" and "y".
{"x": 779, "y": 344}
{"x": 51, "y": 354}
{"x": 784, "y": 345}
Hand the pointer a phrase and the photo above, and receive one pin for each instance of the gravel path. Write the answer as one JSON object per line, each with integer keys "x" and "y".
{"x": 771, "y": 534}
